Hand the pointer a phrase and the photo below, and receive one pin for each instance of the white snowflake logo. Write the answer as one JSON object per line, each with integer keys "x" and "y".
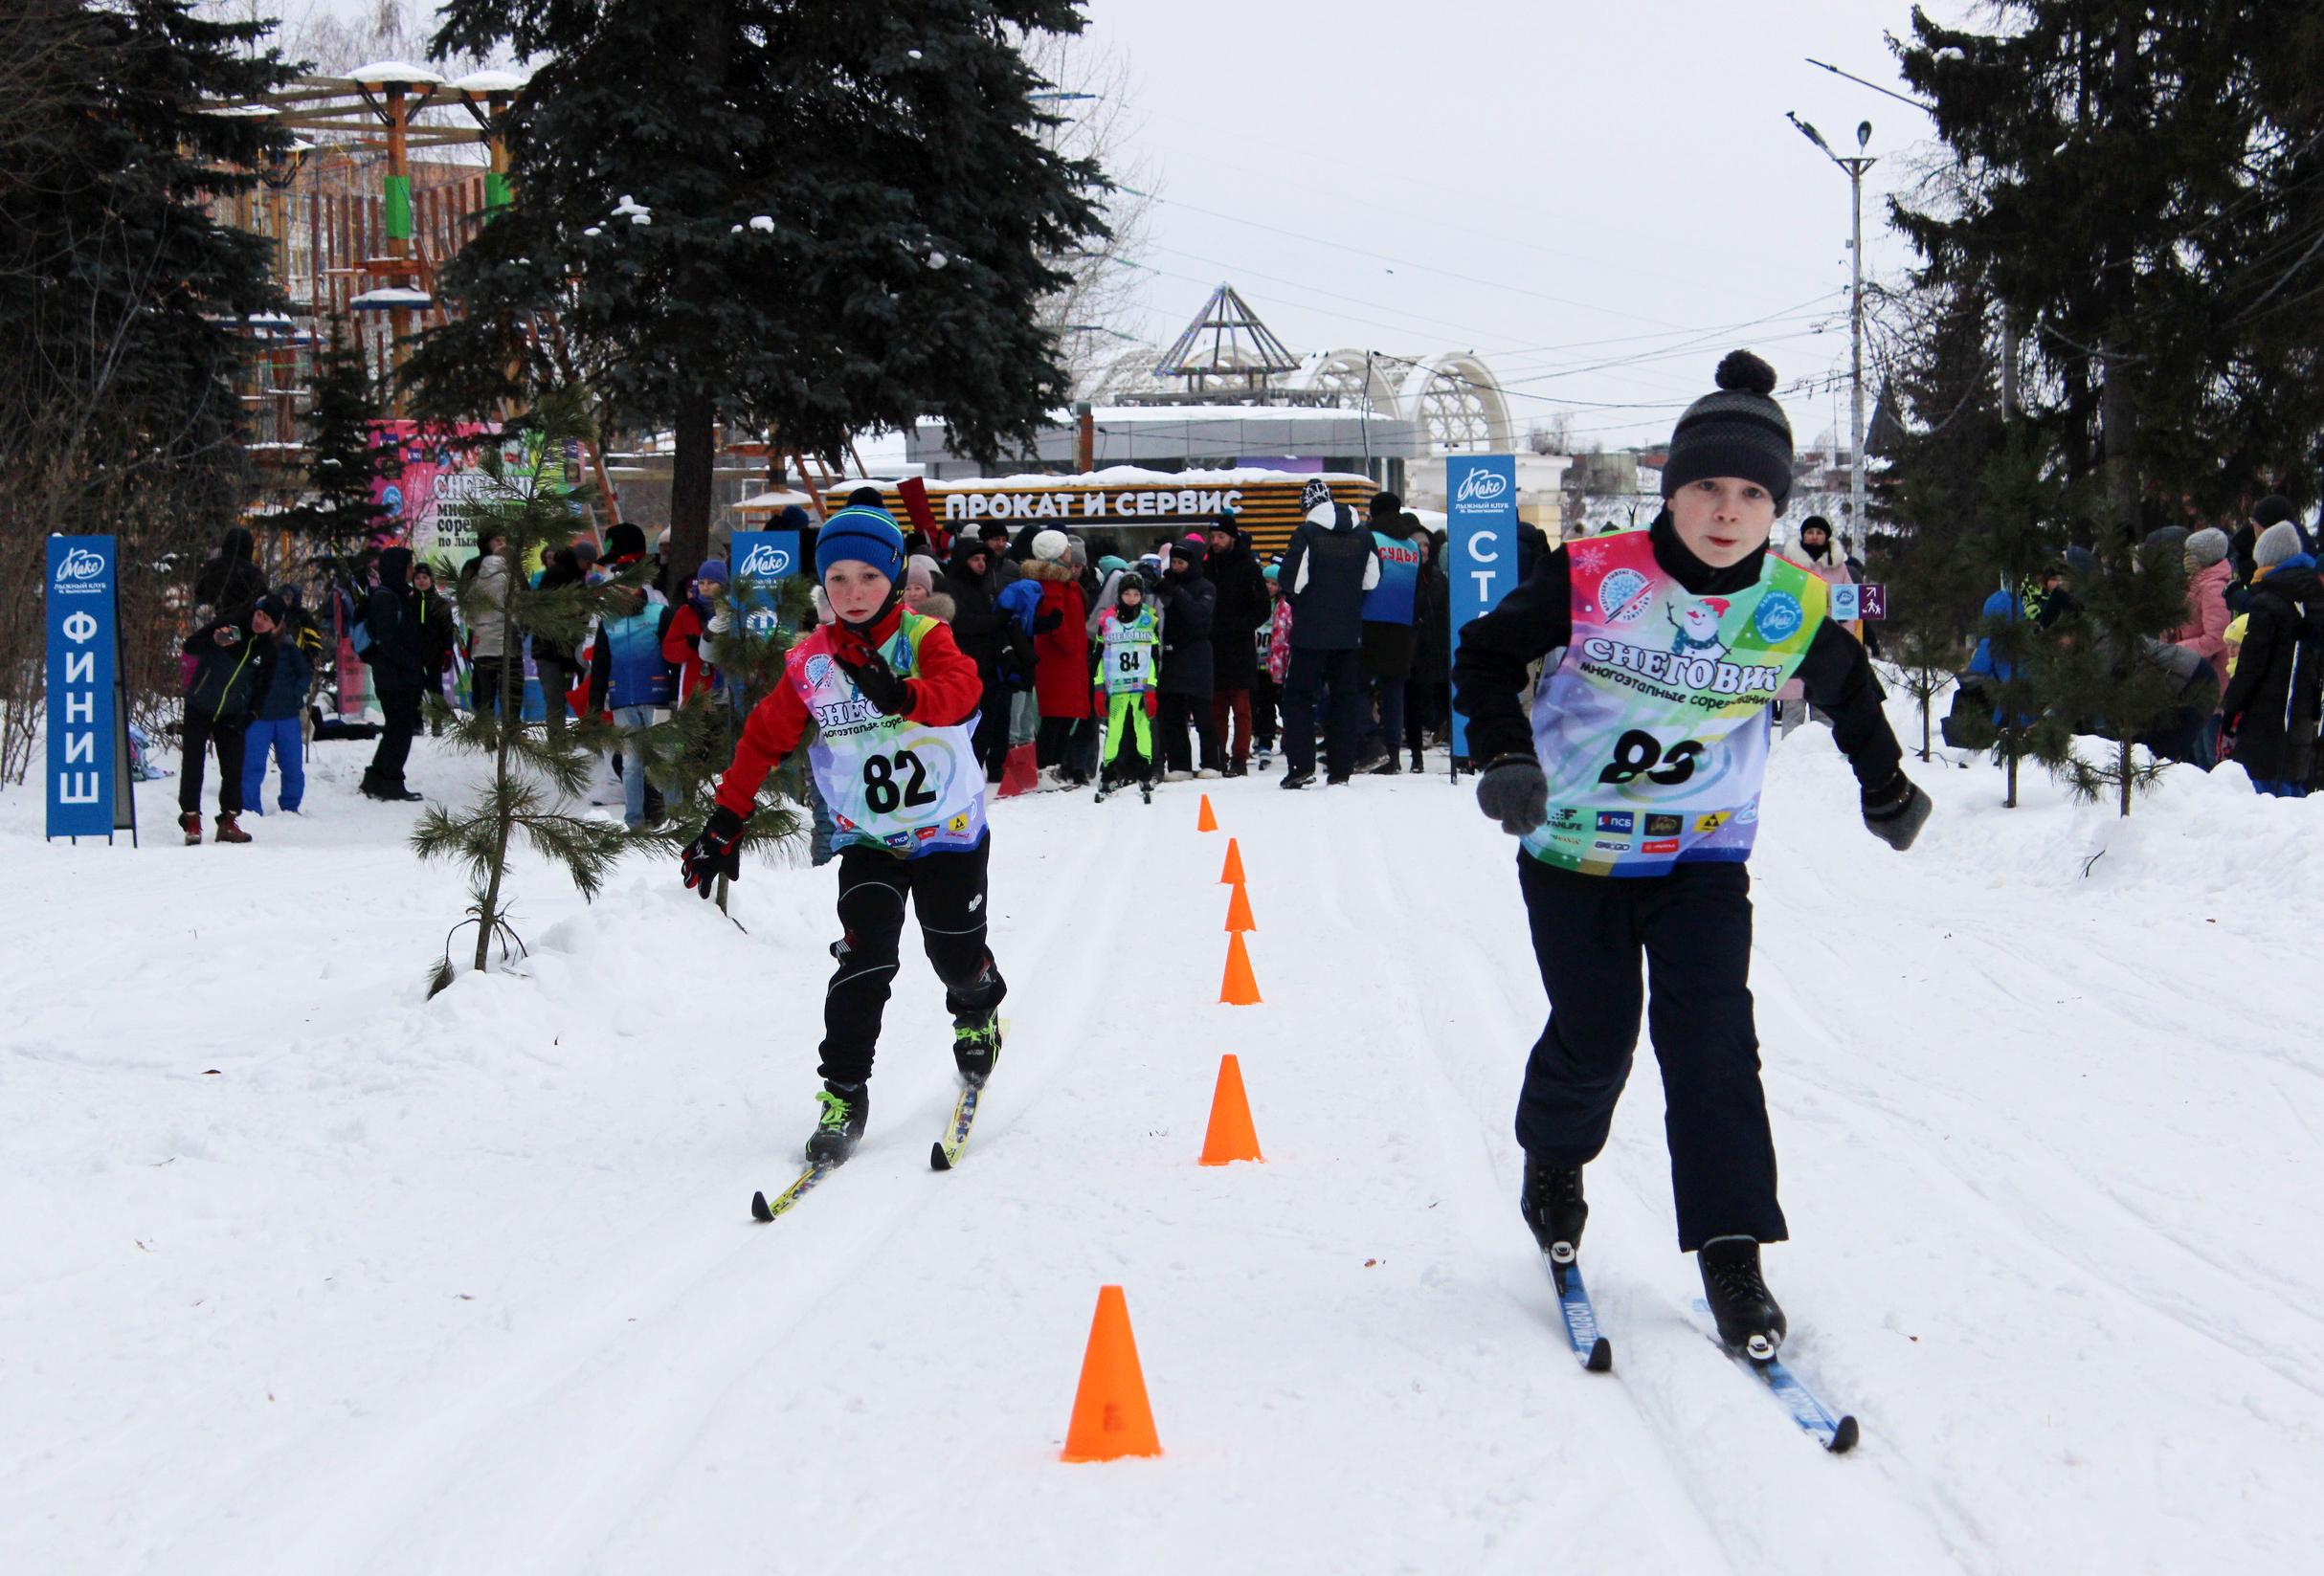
{"x": 1588, "y": 559}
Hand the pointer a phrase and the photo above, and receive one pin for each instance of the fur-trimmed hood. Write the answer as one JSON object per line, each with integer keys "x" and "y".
{"x": 1044, "y": 568}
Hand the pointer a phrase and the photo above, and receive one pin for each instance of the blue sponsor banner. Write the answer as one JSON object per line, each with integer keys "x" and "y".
{"x": 1481, "y": 543}
{"x": 83, "y": 727}
{"x": 763, "y": 556}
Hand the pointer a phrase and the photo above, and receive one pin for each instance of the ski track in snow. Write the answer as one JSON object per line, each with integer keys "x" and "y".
{"x": 469, "y": 1284}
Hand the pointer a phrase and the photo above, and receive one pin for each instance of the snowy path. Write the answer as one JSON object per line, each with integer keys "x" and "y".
{"x": 469, "y": 1285}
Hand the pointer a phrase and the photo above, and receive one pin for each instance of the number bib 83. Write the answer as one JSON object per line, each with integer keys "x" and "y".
{"x": 1653, "y": 727}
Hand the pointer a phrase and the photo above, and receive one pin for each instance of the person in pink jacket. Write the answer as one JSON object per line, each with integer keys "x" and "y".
{"x": 2205, "y": 631}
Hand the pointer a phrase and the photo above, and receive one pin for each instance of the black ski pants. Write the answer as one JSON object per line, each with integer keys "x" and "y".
{"x": 399, "y": 714}
{"x": 1308, "y": 672}
{"x": 1173, "y": 717}
{"x": 948, "y": 892}
{"x": 227, "y": 734}
{"x": 1693, "y": 925}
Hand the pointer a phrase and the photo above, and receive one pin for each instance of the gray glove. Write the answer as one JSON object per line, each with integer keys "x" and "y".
{"x": 1513, "y": 792}
{"x": 1894, "y": 812}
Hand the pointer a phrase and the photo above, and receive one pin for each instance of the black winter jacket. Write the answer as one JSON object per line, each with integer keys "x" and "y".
{"x": 232, "y": 668}
{"x": 2271, "y": 702}
{"x": 1537, "y": 618}
{"x": 1431, "y": 627}
{"x": 1325, "y": 575}
{"x": 229, "y": 582}
{"x": 1242, "y": 607}
{"x": 977, "y": 624}
{"x": 1189, "y": 613}
{"x": 397, "y": 658}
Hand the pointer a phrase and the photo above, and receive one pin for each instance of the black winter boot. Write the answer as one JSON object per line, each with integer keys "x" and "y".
{"x": 976, "y": 1045}
{"x": 841, "y": 1127}
{"x": 1553, "y": 1207}
{"x": 1749, "y": 1320}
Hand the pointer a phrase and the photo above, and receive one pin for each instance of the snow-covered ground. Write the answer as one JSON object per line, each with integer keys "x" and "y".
{"x": 302, "y": 1272}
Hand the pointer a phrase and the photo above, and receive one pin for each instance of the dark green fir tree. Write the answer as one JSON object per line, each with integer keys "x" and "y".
{"x": 536, "y": 770}
{"x": 814, "y": 218}
{"x": 339, "y": 516}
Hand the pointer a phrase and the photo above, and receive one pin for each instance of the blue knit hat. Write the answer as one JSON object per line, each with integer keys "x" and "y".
{"x": 867, "y": 535}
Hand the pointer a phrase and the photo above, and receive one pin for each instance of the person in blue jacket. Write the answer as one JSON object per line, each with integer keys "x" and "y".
{"x": 275, "y": 724}
{"x": 629, "y": 676}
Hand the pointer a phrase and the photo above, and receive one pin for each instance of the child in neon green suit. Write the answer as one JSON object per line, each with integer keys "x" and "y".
{"x": 1124, "y": 690}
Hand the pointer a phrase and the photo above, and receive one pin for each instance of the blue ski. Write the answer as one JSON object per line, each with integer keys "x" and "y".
{"x": 1594, "y": 1350}
{"x": 1837, "y": 1435}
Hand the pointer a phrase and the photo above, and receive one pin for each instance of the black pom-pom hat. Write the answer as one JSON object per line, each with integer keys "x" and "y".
{"x": 1739, "y": 430}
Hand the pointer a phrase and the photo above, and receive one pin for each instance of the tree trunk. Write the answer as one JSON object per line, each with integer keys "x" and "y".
{"x": 691, "y": 484}
{"x": 2116, "y": 421}
{"x": 2125, "y": 770}
{"x": 2011, "y": 802}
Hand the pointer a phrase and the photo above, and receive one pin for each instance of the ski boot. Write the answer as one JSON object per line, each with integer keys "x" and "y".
{"x": 1146, "y": 790}
{"x": 840, "y": 1127}
{"x": 976, "y": 1045}
{"x": 190, "y": 823}
{"x": 1553, "y": 1207}
{"x": 1748, "y": 1321}
{"x": 1296, "y": 779}
{"x": 229, "y": 831}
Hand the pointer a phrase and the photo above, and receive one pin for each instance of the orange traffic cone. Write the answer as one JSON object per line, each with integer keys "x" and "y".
{"x": 1232, "y": 874}
{"x": 1231, "y": 1136}
{"x": 1239, "y": 911}
{"x": 1240, "y": 988}
{"x": 1206, "y": 821}
{"x": 1111, "y": 1416}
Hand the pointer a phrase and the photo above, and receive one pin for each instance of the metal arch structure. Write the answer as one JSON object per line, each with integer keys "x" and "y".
{"x": 1359, "y": 380}
{"x": 1458, "y": 404}
{"x": 1238, "y": 343}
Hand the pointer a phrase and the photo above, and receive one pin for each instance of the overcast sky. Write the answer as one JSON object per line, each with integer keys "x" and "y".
{"x": 1555, "y": 185}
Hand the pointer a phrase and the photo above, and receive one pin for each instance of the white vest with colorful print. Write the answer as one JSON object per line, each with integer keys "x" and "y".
{"x": 1652, "y": 726}
{"x": 891, "y": 783}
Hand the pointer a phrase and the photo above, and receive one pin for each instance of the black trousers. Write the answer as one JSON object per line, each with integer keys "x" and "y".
{"x": 991, "y": 741}
{"x": 948, "y": 892}
{"x": 1693, "y": 926}
{"x": 484, "y": 680}
{"x": 400, "y": 709}
{"x": 1308, "y": 672}
{"x": 202, "y": 734}
{"x": 1266, "y": 694}
{"x": 1171, "y": 718}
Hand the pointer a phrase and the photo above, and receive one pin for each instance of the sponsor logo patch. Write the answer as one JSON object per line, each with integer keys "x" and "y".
{"x": 1616, "y": 820}
{"x": 1662, "y": 826}
{"x": 1660, "y": 845}
{"x": 818, "y": 668}
{"x": 1623, "y": 594}
{"x": 898, "y": 839}
{"x": 924, "y": 834}
{"x": 1779, "y": 617}
{"x": 958, "y": 823}
{"x": 1712, "y": 820}
{"x": 1611, "y": 845}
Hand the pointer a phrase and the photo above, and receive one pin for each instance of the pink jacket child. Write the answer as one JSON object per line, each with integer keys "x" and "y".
{"x": 2205, "y": 631}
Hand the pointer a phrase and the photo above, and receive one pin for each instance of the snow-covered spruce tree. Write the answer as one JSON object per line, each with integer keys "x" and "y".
{"x": 2098, "y": 678}
{"x": 535, "y": 770}
{"x": 755, "y": 622}
{"x": 818, "y": 217}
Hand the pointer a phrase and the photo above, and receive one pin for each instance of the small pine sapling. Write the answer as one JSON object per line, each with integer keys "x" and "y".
{"x": 536, "y": 770}
{"x": 2100, "y": 679}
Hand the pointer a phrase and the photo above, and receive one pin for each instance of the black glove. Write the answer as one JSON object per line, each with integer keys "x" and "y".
{"x": 1894, "y": 812}
{"x": 717, "y": 851}
{"x": 1514, "y": 792}
{"x": 877, "y": 681}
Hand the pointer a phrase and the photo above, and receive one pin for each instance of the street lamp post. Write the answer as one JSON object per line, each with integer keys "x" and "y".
{"x": 1855, "y": 168}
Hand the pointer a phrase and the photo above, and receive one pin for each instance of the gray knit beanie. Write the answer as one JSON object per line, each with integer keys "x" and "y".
{"x": 1737, "y": 431}
{"x": 2276, "y": 544}
{"x": 2207, "y": 546}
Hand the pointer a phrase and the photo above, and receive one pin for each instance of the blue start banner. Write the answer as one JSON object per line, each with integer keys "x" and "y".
{"x": 1481, "y": 543}
{"x": 763, "y": 555}
{"x": 84, "y": 725}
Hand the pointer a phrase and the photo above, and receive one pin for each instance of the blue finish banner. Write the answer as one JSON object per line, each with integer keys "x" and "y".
{"x": 83, "y": 639}
{"x": 763, "y": 556}
{"x": 1481, "y": 544}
